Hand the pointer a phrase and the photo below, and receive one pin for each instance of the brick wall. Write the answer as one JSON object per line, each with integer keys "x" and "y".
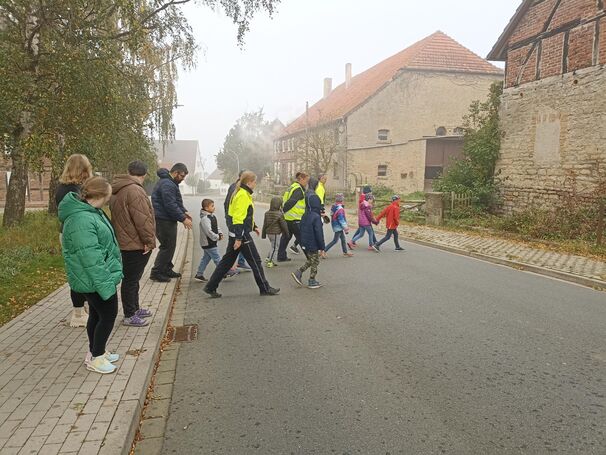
{"x": 563, "y": 42}
{"x": 553, "y": 130}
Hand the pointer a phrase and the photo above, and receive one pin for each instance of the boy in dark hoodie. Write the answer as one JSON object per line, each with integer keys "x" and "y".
{"x": 312, "y": 241}
{"x": 274, "y": 225}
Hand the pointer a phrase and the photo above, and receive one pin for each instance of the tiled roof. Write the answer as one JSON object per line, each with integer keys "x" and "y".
{"x": 437, "y": 52}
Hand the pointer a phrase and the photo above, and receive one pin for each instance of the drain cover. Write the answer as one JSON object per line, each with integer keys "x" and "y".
{"x": 184, "y": 333}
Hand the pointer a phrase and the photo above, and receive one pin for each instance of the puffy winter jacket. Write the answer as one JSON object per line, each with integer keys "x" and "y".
{"x": 391, "y": 214}
{"x": 166, "y": 198}
{"x": 338, "y": 220}
{"x": 365, "y": 217}
{"x": 90, "y": 249}
{"x": 312, "y": 232}
{"x": 274, "y": 222}
{"x": 132, "y": 215}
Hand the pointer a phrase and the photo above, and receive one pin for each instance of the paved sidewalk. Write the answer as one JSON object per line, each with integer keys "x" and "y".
{"x": 578, "y": 269}
{"x": 50, "y": 403}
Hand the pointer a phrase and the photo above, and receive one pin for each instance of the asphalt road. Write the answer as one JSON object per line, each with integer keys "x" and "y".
{"x": 421, "y": 352}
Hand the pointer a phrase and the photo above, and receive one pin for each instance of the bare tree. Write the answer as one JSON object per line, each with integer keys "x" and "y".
{"x": 317, "y": 148}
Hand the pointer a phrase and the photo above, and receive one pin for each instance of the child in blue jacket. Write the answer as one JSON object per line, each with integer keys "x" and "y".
{"x": 339, "y": 225}
{"x": 312, "y": 241}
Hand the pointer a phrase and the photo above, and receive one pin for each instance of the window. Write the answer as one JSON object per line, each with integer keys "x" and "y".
{"x": 404, "y": 175}
{"x": 433, "y": 172}
{"x": 441, "y": 131}
{"x": 383, "y": 135}
{"x": 382, "y": 170}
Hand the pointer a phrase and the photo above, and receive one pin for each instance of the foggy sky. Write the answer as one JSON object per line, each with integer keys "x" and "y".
{"x": 285, "y": 59}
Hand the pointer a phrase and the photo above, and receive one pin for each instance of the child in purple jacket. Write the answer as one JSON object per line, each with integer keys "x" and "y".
{"x": 365, "y": 222}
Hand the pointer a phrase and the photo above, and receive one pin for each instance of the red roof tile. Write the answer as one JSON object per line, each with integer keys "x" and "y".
{"x": 437, "y": 52}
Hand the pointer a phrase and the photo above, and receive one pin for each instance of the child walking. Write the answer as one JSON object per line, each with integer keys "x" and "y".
{"x": 312, "y": 242}
{"x": 365, "y": 222}
{"x": 274, "y": 226}
{"x": 392, "y": 219}
{"x": 339, "y": 226}
{"x": 210, "y": 234}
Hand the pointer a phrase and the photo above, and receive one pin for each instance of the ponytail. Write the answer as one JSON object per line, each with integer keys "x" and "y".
{"x": 246, "y": 177}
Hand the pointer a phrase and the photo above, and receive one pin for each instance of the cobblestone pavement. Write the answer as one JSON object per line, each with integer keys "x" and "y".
{"x": 503, "y": 249}
{"x": 50, "y": 403}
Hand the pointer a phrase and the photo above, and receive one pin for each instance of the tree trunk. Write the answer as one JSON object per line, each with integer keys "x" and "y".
{"x": 52, "y": 190}
{"x": 15, "y": 194}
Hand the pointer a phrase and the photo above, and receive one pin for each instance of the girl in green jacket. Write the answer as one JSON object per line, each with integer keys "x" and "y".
{"x": 93, "y": 265}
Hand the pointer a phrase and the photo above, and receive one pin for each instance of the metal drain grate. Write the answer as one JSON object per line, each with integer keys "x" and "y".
{"x": 184, "y": 333}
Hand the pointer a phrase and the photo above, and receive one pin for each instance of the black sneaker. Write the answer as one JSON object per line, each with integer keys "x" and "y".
{"x": 201, "y": 278}
{"x": 294, "y": 249}
{"x": 271, "y": 291}
{"x": 400, "y": 249}
{"x": 159, "y": 278}
{"x": 285, "y": 260}
{"x": 212, "y": 294}
{"x": 173, "y": 274}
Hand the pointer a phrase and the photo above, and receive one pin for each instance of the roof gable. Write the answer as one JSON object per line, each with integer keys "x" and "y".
{"x": 438, "y": 52}
{"x": 498, "y": 52}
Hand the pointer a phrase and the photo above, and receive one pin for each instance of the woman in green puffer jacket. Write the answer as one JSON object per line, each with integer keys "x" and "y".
{"x": 93, "y": 265}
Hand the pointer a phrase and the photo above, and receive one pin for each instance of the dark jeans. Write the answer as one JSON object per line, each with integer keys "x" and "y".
{"x": 338, "y": 235}
{"x": 293, "y": 230}
{"x": 166, "y": 231}
{"x": 101, "y": 317}
{"x": 390, "y": 232}
{"x": 250, "y": 253}
{"x": 77, "y": 299}
{"x": 133, "y": 264}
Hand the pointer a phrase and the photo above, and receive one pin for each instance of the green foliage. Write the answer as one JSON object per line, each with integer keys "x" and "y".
{"x": 382, "y": 192}
{"x": 249, "y": 144}
{"x": 97, "y": 78}
{"x": 474, "y": 173}
{"x": 30, "y": 262}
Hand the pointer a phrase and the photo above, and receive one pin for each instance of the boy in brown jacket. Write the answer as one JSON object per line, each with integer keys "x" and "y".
{"x": 135, "y": 226}
{"x": 274, "y": 225}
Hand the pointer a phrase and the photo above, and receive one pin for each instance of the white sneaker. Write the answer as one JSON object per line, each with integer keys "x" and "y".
{"x": 101, "y": 365}
{"x": 78, "y": 320}
{"x": 112, "y": 358}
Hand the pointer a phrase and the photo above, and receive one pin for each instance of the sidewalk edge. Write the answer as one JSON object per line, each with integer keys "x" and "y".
{"x": 129, "y": 410}
{"x": 577, "y": 279}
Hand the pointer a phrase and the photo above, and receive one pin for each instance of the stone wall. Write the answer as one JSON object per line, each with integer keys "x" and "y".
{"x": 412, "y": 107}
{"x": 554, "y": 139}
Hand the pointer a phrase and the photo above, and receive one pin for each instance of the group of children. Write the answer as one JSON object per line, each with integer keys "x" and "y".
{"x": 312, "y": 233}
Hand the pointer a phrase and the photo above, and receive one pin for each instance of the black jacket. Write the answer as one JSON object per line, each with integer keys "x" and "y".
{"x": 312, "y": 232}
{"x": 166, "y": 198}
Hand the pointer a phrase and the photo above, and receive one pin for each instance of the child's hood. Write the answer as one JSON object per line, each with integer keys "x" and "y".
{"x": 204, "y": 213}
{"x": 276, "y": 203}
{"x": 335, "y": 207}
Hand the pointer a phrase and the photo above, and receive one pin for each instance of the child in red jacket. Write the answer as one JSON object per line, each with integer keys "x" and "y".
{"x": 391, "y": 213}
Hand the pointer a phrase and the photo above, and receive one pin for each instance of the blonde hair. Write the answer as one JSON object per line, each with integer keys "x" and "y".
{"x": 246, "y": 177}
{"x": 95, "y": 188}
{"x": 77, "y": 169}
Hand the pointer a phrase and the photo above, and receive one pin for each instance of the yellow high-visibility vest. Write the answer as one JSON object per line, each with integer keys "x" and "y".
{"x": 298, "y": 210}
{"x": 321, "y": 192}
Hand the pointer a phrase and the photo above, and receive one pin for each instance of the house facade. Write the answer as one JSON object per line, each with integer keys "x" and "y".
{"x": 397, "y": 124}
{"x": 553, "y": 114}
{"x": 178, "y": 151}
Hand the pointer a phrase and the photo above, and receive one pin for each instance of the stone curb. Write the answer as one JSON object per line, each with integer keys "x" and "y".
{"x": 153, "y": 419}
{"x": 125, "y": 423}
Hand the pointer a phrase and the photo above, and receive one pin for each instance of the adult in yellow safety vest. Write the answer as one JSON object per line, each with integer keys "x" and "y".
{"x": 294, "y": 209}
{"x": 241, "y": 211}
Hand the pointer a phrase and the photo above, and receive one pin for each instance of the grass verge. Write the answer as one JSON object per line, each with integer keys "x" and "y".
{"x": 31, "y": 264}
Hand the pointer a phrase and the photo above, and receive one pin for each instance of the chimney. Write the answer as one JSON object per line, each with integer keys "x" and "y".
{"x": 327, "y": 86}
{"x": 347, "y": 75}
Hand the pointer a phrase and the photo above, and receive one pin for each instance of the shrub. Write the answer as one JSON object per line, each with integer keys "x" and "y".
{"x": 474, "y": 173}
